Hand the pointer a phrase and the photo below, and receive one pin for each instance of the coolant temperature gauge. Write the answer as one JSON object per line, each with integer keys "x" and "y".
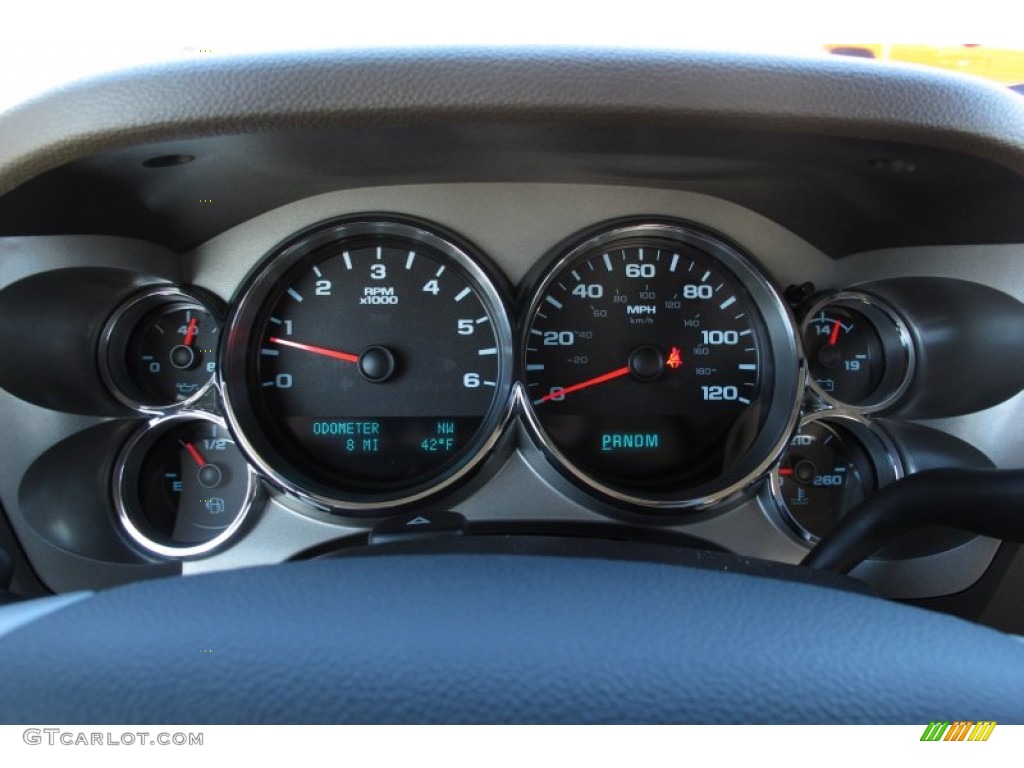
{"x": 833, "y": 462}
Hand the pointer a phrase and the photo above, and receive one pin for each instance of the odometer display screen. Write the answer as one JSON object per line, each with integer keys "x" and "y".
{"x": 377, "y": 365}
{"x": 647, "y": 361}
{"x": 388, "y": 449}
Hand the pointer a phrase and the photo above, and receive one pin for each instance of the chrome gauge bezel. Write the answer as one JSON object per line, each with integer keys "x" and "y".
{"x": 897, "y": 346}
{"x": 242, "y": 417}
{"x": 880, "y": 448}
{"x": 117, "y": 332}
{"x": 782, "y": 348}
{"x": 127, "y": 464}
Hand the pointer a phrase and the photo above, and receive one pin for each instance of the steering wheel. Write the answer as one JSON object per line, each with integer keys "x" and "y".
{"x": 466, "y": 635}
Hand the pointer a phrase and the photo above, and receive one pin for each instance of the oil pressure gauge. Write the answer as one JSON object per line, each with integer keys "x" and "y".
{"x": 159, "y": 350}
{"x": 859, "y": 352}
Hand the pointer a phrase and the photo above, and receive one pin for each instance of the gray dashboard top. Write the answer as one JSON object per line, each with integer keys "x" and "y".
{"x": 850, "y": 155}
{"x": 313, "y": 90}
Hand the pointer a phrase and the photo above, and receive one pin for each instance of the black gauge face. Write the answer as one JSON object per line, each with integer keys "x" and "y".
{"x": 823, "y": 474}
{"x": 159, "y": 350}
{"x": 378, "y": 364}
{"x": 183, "y": 484}
{"x": 859, "y": 353}
{"x": 648, "y": 363}
{"x": 845, "y": 355}
{"x": 173, "y": 353}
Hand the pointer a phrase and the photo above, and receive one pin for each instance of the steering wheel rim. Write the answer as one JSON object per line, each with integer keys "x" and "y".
{"x": 498, "y": 638}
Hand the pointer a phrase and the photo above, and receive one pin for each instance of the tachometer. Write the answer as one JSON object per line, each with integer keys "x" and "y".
{"x": 660, "y": 366}
{"x": 368, "y": 364}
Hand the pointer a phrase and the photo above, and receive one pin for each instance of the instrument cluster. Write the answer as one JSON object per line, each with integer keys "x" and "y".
{"x": 371, "y": 366}
{"x": 371, "y": 363}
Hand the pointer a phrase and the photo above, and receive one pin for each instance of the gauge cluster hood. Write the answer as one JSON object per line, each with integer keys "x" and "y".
{"x": 851, "y": 155}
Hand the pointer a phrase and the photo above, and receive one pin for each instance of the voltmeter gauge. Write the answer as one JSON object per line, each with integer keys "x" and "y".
{"x": 182, "y": 487}
{"x": 859, "y": 352}
{"x": 159, "y": 350}
{"x": 833, "y": 462}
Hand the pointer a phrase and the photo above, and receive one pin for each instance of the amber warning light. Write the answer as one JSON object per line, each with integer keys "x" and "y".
{"x": 674, "y": 358}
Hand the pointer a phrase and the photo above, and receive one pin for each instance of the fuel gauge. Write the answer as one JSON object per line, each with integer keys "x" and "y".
{"x": 182, "y": 487}
{"x": 833, "y": 462}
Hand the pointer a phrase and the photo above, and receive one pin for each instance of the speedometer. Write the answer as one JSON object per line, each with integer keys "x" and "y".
{"x": 368, "y": 364}
{"x": 660, "y": 367}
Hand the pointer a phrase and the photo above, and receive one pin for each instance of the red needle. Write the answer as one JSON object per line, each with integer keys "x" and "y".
{"x": 834, "y": 336}
{"x": 196, "y": 456}
{"x": 316, "y": 350}
{"x": 785, "y": 471}
{"x": 559, "y": 393}
{"x": 190, "y": 333}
